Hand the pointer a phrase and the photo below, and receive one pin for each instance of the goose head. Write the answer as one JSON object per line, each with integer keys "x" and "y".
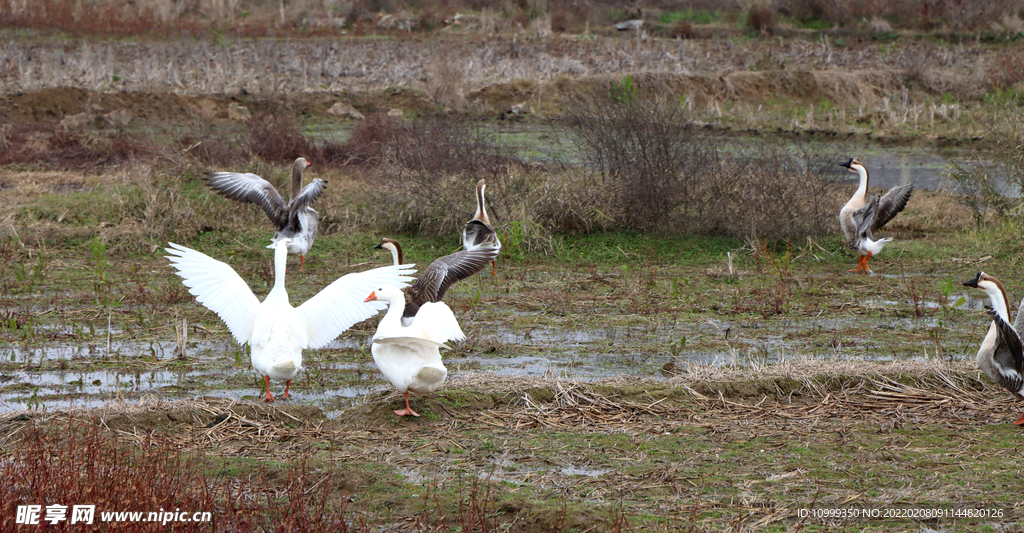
{"x": 298, "y": 167}
{"x": 392, "y": 246}
{"x": 995, "y": 291}
{"x": 855, "y": 166}
{"x": 280, "y": 243}
{"x": 387, "y": 293}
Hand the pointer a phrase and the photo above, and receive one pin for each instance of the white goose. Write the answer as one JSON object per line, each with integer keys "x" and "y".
{"x": 409, "y": 356}
{"x": 859, "y": 218}
{"x": 479, "y": 232}
{"x": 442, "y": 273}
{"x": 1001, "y": 355}
{"x": 277, "y": 332}
{"x": 295, "y": 220}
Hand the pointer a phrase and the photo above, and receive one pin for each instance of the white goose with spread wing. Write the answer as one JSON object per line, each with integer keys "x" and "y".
{"x": 295, "y": 220}
{"x": 479, "y": 232}
{"x": 1001, "y": 355}
{"x": 409, "y": 356}
{"x": 434, "y": 281}
{"x": 275, "y": 331}
{"x": 859, "y": 217}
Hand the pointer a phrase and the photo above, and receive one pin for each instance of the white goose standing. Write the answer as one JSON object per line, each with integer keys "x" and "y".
{"x": 295, "y": 220}
{"x": 479, "y": 232}
{"x": 1001, "y": 355}
{"x": 275, "y": 331}
{"x": 409, "y": 356}
{"x": 859, "y": 218}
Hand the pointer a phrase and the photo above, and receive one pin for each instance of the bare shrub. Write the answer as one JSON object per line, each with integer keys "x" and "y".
{"x": 992, "y": 183}
{"x": 431, "y": 167}
{"x": 683, "y": 29}
{"x": 276, "y": 138}
{"x": 445, "y": 80}
{"x": 661, "y": 173}
{"x": 761, "y": 17}
{"x": 649, "y": 156}
{"x": 50, "y": 466}
{"x": 366, "y": 144}
{"x": 775, "y": 189}
{"x": 1007, "y": 71}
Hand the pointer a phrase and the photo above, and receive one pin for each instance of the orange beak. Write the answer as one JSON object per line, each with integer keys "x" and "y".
{"x": 371, "y": 297}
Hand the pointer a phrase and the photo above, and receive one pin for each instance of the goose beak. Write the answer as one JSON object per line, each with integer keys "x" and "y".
{"x": 847, "y": 164}
{"x": 973, "y": 282}
{"x": 371, "y": 297}
{"x": 379, "y": 247}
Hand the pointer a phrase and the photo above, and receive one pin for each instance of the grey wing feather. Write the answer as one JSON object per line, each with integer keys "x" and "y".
{"x": 447, "y": 270}
{"x": 1009, "y": 352}
{"x": 250, "y": 188}
{"x": 299, "y": 203}
{"x": 892, "y": 203}
{"x": 863, "y": 219}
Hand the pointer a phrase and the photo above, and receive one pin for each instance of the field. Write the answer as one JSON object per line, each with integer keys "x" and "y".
{"x": 671, "y": 340}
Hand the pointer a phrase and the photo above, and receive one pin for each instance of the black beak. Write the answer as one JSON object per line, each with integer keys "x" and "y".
{"x": 847, "y": 164}
{"x": 378, "y": 247}
{"x": 973, "y": 282}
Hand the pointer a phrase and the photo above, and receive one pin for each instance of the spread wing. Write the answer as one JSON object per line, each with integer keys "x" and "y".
{"x": 863, "y": 219}
{"x": 250, "y": 188}
{"x": 218, "y": 287}
{"x": 445, "y": 271}
{"x": 340, "y": 305}
{"x": 301, "y": 202}
{"x": 437, "y": 322}
{"x": 892, "y": 203}
{"x": 1009, "y": 354}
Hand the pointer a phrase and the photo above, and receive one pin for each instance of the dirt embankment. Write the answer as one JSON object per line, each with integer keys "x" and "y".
{"x": 864, "y": 88}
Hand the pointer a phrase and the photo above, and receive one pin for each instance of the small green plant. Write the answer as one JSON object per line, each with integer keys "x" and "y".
{"x": 99, "y": 257}
{"x": 625, "y": 91}
{"x": 947, "y": 286}
{"x": 675, "y": 348}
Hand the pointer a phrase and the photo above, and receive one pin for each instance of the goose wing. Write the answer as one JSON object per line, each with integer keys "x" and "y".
{"x": 340, "y": 305}
{"x": 218, "y": 287}
{"x": 863, "y": 220}
{"x": 250, "y": 188}
{"x": 444, "y": 271}
{"x": 301, "y": 202}
{"x": 477, "y": 234}
{"x": 892, "y": 203}
{"x": 1009, "y": 353}
{"x": 435, "y": 321}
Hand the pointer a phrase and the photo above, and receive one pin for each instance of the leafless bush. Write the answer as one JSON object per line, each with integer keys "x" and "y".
{"x": 650, "y": 158}
{"x": 78, "y": 462}
{"x": 276, "y": 138}
{"x": 431, "y": 168}
{"x": 775, "y": 189}
{"x": 993, "y": 182}
{"x": 661, "y": 173}
{"x": 761, "y": 16}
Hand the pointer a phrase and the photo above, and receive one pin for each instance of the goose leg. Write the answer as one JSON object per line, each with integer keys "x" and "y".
{"x": 860, "y": 265}
{"x": 269, "y": 397}
{"x": 408, "y": 410}
{"x": 302, "y": 261}
{"x": 287, "y": 385}
{"x": 1020, "y": 421}
{"x": 494, "y": 267}
{"x": 866, "y": 267}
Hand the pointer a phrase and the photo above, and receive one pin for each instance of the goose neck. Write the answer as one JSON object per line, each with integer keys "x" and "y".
{"x": 481, "y": 204}
{"x": 862, "y": 189}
